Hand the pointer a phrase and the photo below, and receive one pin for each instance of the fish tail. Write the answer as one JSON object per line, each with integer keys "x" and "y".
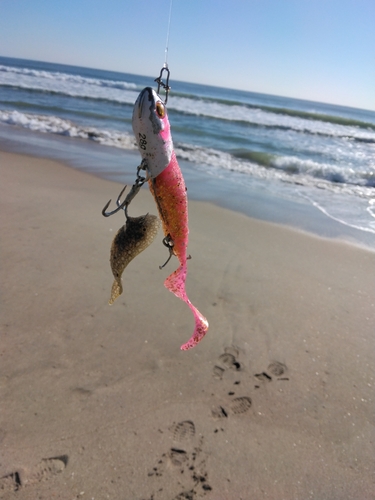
{"x": 116, "y": 291}
{"x": 176, "y": 284}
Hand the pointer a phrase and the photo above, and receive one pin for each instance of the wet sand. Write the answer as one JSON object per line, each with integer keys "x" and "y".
{"x": 98, "y": 401}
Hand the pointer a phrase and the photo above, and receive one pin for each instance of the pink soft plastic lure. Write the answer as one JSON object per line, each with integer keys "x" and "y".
{"x": 152, "y": 132}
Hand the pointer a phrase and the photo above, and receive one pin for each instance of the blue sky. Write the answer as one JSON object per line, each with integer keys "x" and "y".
{"x": 322, "y": 50}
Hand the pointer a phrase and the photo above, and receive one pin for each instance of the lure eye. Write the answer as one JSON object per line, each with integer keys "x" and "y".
{"x": 160, "y": 109}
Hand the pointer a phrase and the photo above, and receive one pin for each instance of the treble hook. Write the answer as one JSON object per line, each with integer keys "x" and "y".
{"x": 140, "y": 180}
{"x": 160, "y": 82}
{"x": 120, "y": 206}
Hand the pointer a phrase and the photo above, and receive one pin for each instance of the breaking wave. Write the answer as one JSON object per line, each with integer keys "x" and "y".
{"x": 253, "y": 115}
{"x": 257, "y": 164}
{"x": 60, "y": 126}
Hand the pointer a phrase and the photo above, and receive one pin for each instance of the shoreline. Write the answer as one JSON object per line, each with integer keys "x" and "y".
{"x": 98, "y": 401}
{"x": 119, "y": 165}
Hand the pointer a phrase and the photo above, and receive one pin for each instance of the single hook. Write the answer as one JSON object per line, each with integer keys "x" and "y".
{"x": 160, "y": 82}
{"x": 120, "y": 206}
{"x": 168, "y": 242}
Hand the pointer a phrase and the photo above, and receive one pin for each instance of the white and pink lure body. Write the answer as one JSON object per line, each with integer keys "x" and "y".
{"x": 152, "y": 132}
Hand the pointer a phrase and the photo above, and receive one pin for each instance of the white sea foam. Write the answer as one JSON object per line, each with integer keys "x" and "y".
{"x": 126, "y": 92}
{"x": 348, "y": 204}
{"x": 347, "y": 211}
{"x": 288, "y": 169}
{"x": 65, "y": 77}
{"x": 265, "y": 118}
{"x": 70, "y": 85}
{"x": 55, "y": 125}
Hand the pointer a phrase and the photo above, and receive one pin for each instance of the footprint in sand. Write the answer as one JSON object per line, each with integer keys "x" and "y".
{"x": 276, "y": 369}
{"x": 234, "y": 406}
{"x": 183, "y": 431}
{"x": 228, "y": 362}
{"x": 184, "y": 466}
{"x": 45, "y": 470}
{"x": 240, "y": 405}
{"x": 11, "y": 482}
{"x": 263, "y": 377}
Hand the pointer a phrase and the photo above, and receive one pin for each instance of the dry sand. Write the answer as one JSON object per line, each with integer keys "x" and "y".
{"x": 99, "y": 402}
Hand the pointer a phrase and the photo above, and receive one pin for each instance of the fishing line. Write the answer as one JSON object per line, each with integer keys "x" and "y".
{"x": 168, "y": 30}
{"x": 165, "y": 68}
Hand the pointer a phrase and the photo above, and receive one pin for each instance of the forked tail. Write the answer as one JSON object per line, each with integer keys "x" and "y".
{"x": 176, "y": 284}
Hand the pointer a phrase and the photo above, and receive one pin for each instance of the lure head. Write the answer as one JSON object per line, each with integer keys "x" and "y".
{"x": 152, "y": 131}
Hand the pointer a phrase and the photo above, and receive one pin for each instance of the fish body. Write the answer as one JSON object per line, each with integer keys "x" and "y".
{"x": 152, "y": 131}
{"x": 131, "y": 239}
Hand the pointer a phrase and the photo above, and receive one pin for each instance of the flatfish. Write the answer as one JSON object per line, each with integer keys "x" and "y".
{"x": 131, "y": 239}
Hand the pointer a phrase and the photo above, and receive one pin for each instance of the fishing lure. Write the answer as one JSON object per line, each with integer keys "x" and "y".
{"x": 152, "y": 132}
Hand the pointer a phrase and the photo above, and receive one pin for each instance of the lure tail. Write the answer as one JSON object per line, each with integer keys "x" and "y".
{"x": 176, "y": 284}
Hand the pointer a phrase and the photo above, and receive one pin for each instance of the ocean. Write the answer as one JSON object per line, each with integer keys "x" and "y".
{"x": 307, "y": 164}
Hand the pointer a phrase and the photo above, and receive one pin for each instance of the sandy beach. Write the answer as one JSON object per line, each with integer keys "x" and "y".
{"x": 99, "y": 402}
